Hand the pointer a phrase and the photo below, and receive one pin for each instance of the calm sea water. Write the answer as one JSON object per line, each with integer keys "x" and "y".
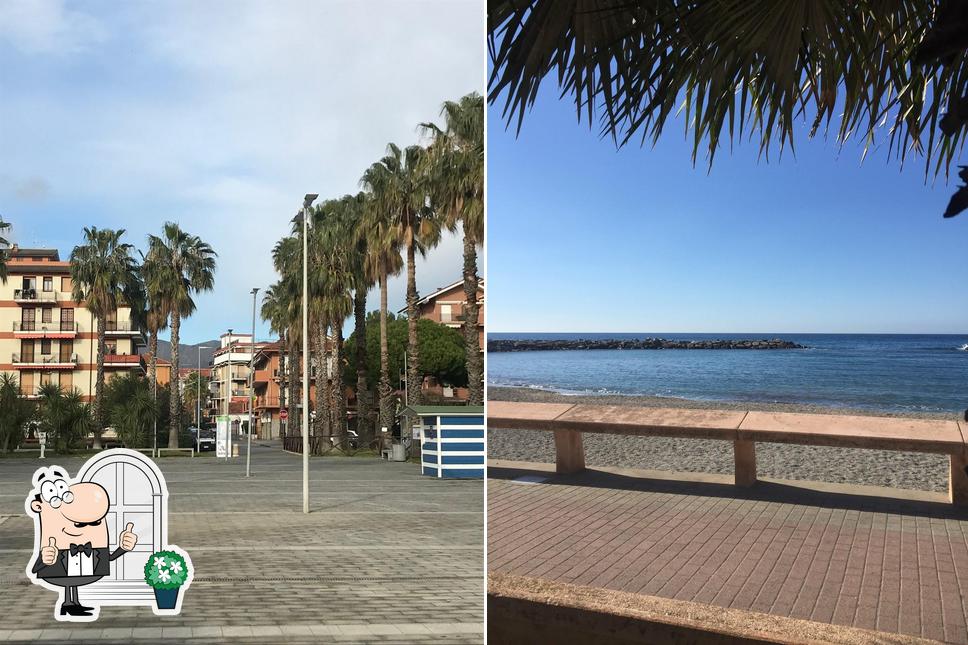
{"x": 871, "y": 371}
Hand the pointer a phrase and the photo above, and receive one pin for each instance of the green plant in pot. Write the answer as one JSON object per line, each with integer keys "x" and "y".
{"x": 166, "y": 572}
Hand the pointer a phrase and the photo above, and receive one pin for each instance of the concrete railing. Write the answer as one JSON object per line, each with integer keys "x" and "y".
{"x": 569, "y": 422}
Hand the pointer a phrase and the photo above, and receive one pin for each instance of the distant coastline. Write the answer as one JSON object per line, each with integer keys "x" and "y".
{"x": 561, "y": 344}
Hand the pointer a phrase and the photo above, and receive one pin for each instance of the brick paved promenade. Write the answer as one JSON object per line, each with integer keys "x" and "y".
{"x": 387, "y": 555}
{"x": 849, "y": 559}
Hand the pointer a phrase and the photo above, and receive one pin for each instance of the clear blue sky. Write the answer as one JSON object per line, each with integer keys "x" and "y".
{"x": 219, "y": 115}
{"x": 584, "y": 238}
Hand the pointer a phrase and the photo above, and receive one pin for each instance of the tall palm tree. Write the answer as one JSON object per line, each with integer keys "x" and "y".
{"x": 286, "y": 310}
{"x": 157, "y": 311}
{"x": 382, "y": 260}
{"x": 404, "y": 190}
{"x": 457, "y": 169}
{"x": 104, "y": 276}
{"x": 3, "y": 251}
{"x": 362, "y": 281}
{"x": 275, "y": 311}
{"x": 189, "y": 267}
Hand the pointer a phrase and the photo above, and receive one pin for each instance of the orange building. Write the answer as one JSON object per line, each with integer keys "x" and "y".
{"x": 446, "y": 306}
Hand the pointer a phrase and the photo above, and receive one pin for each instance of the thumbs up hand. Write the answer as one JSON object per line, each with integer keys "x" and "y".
{"x": 48, "y": 554}
{"x": 128, "y": 540}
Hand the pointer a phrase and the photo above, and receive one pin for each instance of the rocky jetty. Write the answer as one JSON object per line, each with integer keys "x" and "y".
{"x": 512, "y": 345}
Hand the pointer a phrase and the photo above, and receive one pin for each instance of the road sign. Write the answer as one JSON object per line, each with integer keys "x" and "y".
{"x": 283, "y": 414}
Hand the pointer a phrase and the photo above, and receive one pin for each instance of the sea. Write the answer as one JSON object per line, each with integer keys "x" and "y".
{"x": 876, "y": 372}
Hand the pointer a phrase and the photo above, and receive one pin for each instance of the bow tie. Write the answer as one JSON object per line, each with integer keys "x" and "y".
{"x": 81, "y": 548}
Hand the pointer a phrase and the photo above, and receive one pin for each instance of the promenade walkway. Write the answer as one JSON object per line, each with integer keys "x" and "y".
{"x": 385, "y": 556}
{"x": 881, "y": 559}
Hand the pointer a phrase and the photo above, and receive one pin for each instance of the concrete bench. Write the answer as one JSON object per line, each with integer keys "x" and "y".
{"x": 190, "y": 451}
{"x": 744, "y": 429}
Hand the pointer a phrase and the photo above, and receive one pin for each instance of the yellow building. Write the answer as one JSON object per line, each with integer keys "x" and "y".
{"x": 46, "y": 337}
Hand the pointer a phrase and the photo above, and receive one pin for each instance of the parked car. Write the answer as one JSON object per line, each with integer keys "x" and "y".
{"x": 352, "y": 438}
{"x": 203, "y": 439}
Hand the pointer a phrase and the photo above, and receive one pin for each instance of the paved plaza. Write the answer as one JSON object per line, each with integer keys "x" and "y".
{"x": 878, "y": 559}
{"x": 386, "y": 556}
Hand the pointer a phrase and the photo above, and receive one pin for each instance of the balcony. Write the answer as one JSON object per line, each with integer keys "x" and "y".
{"x": 33, "y": 329}
{"x": 124, "y": 328}
{"x": 44, "y": 361}
{"x": 267, "y": 402}
{"x": 122, "y": 360}
{"x": 34, "y": 297}
{"x": 261, "y": 376}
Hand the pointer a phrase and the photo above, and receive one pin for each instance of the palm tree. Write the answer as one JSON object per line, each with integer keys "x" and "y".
{"x": 382, "y": 260}
{"x": 354, "y": 210}
{"x": 104, "y": 276}
{"x": 196, "y": 389}
{"x": 15, "y": 412}
{"x": 3, "y": 252}
{"x": 274, "y": 312}
{"x": 457, "y": 168}
{"x": 404, "y": 191}
{"x": 738, "y": 66}
{"x": 156, "y": 314}
{"x": 284, "y": 311}
{"x": 188, "y": 267}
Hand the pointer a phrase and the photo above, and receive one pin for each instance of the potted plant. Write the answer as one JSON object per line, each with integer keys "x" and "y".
{"x": 166, "y": 572}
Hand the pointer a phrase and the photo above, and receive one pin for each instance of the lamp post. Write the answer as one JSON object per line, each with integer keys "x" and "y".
{"x": 307, "y": 202}
{"x": 228, "y": 398}
{"x": 248, "y": 448}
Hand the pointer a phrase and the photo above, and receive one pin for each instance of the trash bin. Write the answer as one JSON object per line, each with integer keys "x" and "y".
{"x": 398, "y": 452}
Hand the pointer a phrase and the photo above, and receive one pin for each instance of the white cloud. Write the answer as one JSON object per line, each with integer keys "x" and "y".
{"x": 47, "y": 27}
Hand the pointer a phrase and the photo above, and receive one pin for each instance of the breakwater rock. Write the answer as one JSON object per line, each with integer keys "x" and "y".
{"x": 512, "y": 345}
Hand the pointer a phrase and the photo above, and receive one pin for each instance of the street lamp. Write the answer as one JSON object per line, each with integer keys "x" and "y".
{"x": 248, "y": 449}
{"x": 228, "y": 398}
{"x": 307, "y": 202}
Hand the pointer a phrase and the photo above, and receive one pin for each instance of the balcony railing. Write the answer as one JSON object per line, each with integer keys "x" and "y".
{"x": 42, "y": 359}
{"x": 115, "y": 327}
{"x": 32, "y": 326}
{"x": 267, "y": 402}
{"x": 126, "y": 359}
{"x": 34, "y": 295}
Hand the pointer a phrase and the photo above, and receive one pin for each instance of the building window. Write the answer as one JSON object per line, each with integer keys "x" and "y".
{"x": 66, "y": 285}
{"x": 30, "y": 283}
{"x": 48, "y": 283}
{"x": 45, "y": 346}
{"x": 66, "y": 349}
{"x": 446, "y": 314}
{"x": 67, "y": 381}
{"x": 110, "y": 347}
{"x": 45, "y": 315}
{"x": 67, "y": 319}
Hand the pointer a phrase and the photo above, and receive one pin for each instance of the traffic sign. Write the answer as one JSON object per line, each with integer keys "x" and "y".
{"x": 283, "y": 414}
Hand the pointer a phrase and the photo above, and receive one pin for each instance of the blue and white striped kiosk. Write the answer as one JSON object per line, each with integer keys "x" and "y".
{"x": 451, "y": 439}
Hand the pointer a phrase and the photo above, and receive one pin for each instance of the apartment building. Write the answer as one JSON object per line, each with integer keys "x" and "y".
{"x": 229, "y": 385}
{"x": 446, "y": 306}
{"x": 46, "y": 337}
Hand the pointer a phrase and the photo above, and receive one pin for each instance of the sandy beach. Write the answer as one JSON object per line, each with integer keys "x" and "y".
{"x": 873, "y": 467}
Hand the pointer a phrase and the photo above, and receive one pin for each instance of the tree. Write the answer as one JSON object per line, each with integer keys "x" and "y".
{"x": 15, "y": 413}
{"x": 196, "y": 389}
{"x": 3, "y": 252}
{"x": 275, "y": 311}
{"x": 457, "y": 169}
{"x": 382, "y": 260}
{"x": 402, "y": 188}
{"x": 737, "y": 66}
{"x": 104, "y": 276}
{"x": 441, "y": 347}
{"x": 133, "y": 419}
{"x": 187, "y": 267}
{"x": 157, "y": 310}
{"x": 65, "y": 418}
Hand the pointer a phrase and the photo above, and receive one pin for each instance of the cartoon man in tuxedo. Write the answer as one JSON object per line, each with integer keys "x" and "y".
{"x": 73, "y": 537}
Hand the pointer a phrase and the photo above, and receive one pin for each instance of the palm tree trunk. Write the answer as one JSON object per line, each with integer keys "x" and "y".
{"x": 386, "y": 392}
{"x": 283, "y": 362}
{"x": 99, "y": 411}
{"x": 472, "y": 343}
{"x": 364, "y": 421}
{"x": 339, "y": 393}
{"x": 153, "y": 362}
{"x": 294, "y": 386}
{"x": 321, "y": 424}
{"x": 414, "y": 382}
{"x": 174, "y": 398}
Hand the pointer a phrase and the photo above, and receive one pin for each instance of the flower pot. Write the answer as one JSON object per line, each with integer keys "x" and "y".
{"x": 166, "y": 598}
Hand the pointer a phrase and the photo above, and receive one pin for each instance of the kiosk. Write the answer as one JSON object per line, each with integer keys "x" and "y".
{"x": 451, "y": 439}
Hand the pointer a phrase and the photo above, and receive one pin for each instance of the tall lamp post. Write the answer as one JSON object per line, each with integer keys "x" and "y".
{"x": 248, "y": 448}
{"x": 307, "y": 202}
{"x": 228, "y": 399}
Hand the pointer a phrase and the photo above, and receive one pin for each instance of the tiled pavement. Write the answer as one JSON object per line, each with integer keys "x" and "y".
{"x": 386, "y": 556}
{"x": 850, "y": 559}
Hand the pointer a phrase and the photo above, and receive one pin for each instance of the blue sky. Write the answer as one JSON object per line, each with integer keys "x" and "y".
{"x": 584, "y": 238}
{"x": 218, "y": 115}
